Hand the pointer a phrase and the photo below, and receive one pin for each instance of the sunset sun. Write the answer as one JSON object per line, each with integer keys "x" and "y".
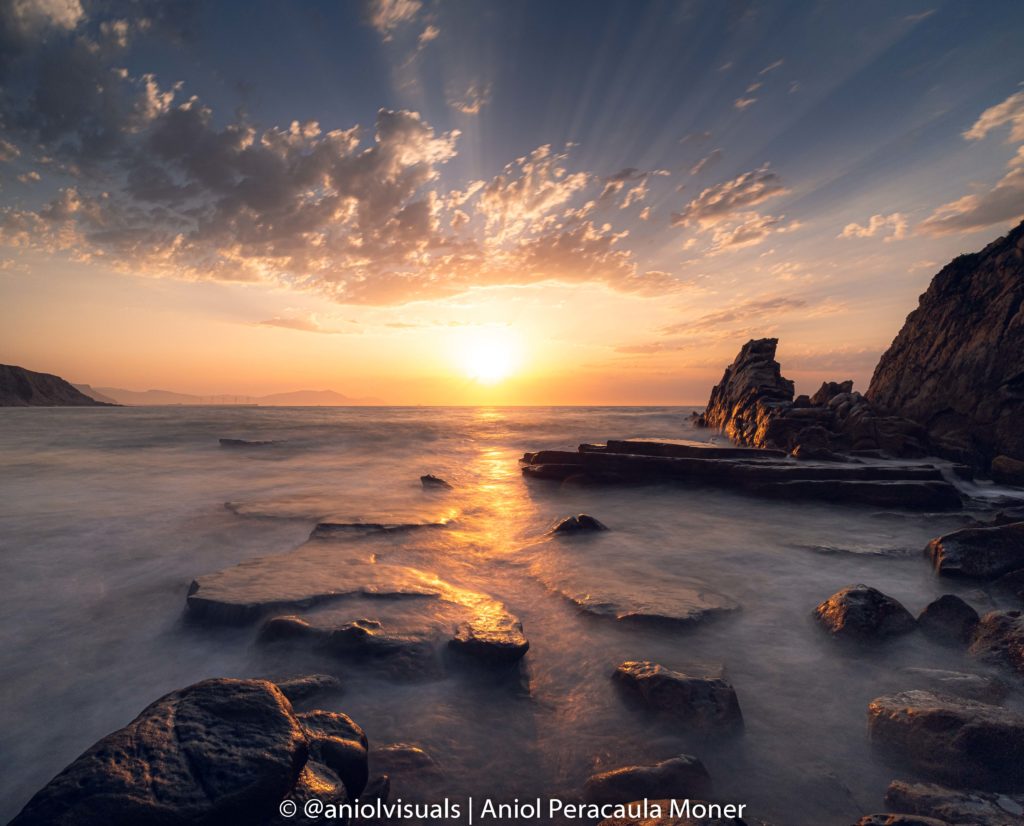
{"x": 489, "y": 357}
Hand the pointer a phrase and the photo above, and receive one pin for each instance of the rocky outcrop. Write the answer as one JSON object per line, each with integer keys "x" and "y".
{"x": 26, "y": 388}
{"x": 753, "y": 405}
{"x": 582, "y": 523}
{"x": 680, "y": 777}
{"x": 1008, "y": 471}
{"x": 979, "y": 553}
{"x": 432, "y": 482}
{"x": 219, "y": 751}
{"x": 955, "y": 807}
{"x": 862, "y": 613}
{"x": 999, "y": 638}
{"x": 957, "y": 366}
{"x": 696, "y": 702}
{"x": 948, "y": 620}
{"x": 953, "y": 740}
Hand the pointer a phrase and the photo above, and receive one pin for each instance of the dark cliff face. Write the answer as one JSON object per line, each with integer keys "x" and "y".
{"x": 25, "y": 388}
{"x": 957, "y": 366}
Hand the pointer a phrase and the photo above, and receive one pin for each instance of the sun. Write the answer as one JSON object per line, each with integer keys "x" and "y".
{"x": 489, "y": 356}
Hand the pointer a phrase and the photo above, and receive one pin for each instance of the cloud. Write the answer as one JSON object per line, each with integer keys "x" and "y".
{"x": 717, "y": 203}
{"x": 1010, "y": 111}
{"x": 748, "y": 230}
{"x": 771, "y": 67}
{"x": 387, "y": 15}
{"x": 475, "y": 98}
{"x": 744, "y": 311}
{"x": 878, "y": 225}
{"x": 30, "y": 177}
{"x": 706, "y": 162}
{"x": 8, "y": 151}
{"x": 430, "y": 33}
{"x": 307, "y": 323}
{"x": 31, "y": 17}
{"x": 743, "y": 103}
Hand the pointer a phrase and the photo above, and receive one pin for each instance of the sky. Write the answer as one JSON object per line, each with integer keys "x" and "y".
{"x": 483, "y": 202}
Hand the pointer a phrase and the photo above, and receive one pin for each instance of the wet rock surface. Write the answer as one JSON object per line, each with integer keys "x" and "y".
{"x": 954, "y": 740}
{"x": 298, "y": 689}
{"x": 218, "y": 751}
{"x": 245, "y": 443}
{"x": 954, "y": 806}
{"x": 679, "y": 777}
{"x": 340, "y": 744}
{"x": 979, "y": 553}
{"x": 430, "y": 481}
{"x": 948, "y": 620}
{"x": 999, "y": 638}
{"x": 957, "y": 366}
{"x": 402, "y": 758}
{"x": 699, "y": 702}
{"x": 861, "y": 613}
{"x": 581, "y": 523}
{"x": 495, "y": 639}
{"x": 983, "y": 687}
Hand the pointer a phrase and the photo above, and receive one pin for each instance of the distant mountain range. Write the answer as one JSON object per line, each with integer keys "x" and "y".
{"x": 297, "y": 398}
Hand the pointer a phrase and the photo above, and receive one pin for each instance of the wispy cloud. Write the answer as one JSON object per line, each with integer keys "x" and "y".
{"x": 892, "y": 227}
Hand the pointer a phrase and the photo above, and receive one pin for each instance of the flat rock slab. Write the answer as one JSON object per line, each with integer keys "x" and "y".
{"x": 678, "y": 605}
{"x": 220, "y": 751}
{"x": 979, "y": 553}
{"x": 696, "y": 702}
{"x": 679, "y": 777}
{"x": 954, "y": 806}
{"x": 951, "y": 739}
{"x": 999, "y": 638}
{"x": 491, "y": 637}
{"x": 862, "y": 613}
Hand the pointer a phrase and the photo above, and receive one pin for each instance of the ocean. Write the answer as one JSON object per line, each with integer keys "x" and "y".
{"x": 108, "y": 515}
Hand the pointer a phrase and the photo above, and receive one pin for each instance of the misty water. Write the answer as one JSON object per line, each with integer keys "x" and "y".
{"x": 108, "y": 515}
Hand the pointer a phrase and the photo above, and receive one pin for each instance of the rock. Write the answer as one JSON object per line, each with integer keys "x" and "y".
{"x": 378, "y": 788}
{"x": 950, "y": 739}
{"x": 26, "y": 388}
{"x": 1013, "y": 583}
{"x": 316, "y": 781}
{"x": 499, "y": 639}
{"x": 862, "y": 613}
{"x": 244, "y": 443}
{"x": 402, "y": 758}
{"x": 948, "y": 619}
{"x": 671, "y": 604}
{"x": 219, "y": 751}
{"x": 975, "y": 686}
{"x": 975, "y": 808}
{"x": 578, "y": 524}
{"x": 432, "y": 481}
{"x": 829, "y": 390}
{"x": 979, "y": 553}
{"x": 999, "y": 638}
{"x": 901, "y": 820}
{"x": 680, "y": 777}
{"x": 297, "y": 689}
{"x": 741, "y": 404}
{"x": 957, "y": 365}
{"x": 1008, "y": 471}
{"x": 341, "y": 745}
{"x": 696, "y": 702}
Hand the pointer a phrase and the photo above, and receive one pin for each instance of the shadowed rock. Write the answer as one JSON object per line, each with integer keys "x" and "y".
{"x": 311, "y": 685}
{"x": 951, "y": 739}
{"x": 900, "y": 820}
{"x": 999, "y": 638}
{"x": 953, "y": 806}
{"x": 361, "y": 638}
{"x": 979, "y": 553}
{"x": 680, "y": 777}
{"x": 244, "y": 443}
{"x": 670, "y": 604}
{"x": 402, "y": 758}
{"x": 974, "y": 686}
{"x": 582, "y": 523}
{"x": 219, "y": 751}
{"x": 338, "y": 743}
{"x": 949, "y": 620}
{"x": 436, "y": 482}
{"x": 1008, "y": 471}
{"x": 862, "y": 613}
{"x": 697, "y": 702}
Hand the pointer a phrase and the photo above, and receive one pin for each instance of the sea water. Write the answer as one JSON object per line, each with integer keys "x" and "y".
{"x": 108, "y": 514}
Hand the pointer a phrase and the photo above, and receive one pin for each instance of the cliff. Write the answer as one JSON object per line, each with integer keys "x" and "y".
{"x": 26, "y": 388}
{"x": 957, "y": 366}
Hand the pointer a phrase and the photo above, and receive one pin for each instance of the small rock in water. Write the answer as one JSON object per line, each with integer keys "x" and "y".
{"x": 954, "y": 740}
{"x": 338, "y": 743}
{"x": 949, "y": 619}
{"x": 955, "y": 807}
{"x": 680, "y": 777}
{"x": 999, "y": 638}
{"x": 700, "y": 702}
{"x": 975, "y": 686}
{"x": 244, "y": 443}
{"x": 491, "y": 639}
{"x": 297, "y": 689}
{"x": 862, "y": 613}
{"x": 401, "y": 758}
{"x": 432, "y": 481}
{"x": 378, "y": 788}
{"x": 579, "y": 524}
{"x": 979, "y": 553}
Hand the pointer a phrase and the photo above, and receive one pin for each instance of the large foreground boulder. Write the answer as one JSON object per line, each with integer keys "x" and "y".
{"x": 220, "y": 751}
{"x": 957, "y": 366}
{"x": 999, "y": 638}
{"x": 955, "y": 807}
{"x": 680, "y": 777}
{"x": 696, "y": 702}
{"x": 858, "y": 612}
{"x": 979, "y": 553}
{"x": 951, "y": 739}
